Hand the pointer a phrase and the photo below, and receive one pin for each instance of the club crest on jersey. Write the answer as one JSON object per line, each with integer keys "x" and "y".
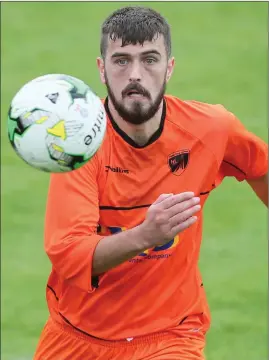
{"x": 178, "y": 161}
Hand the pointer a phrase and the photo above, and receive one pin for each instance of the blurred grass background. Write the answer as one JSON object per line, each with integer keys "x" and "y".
{"x": 221, "y": 57}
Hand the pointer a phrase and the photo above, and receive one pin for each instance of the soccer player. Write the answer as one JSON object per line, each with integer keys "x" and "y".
{"x": 123, "y": 233}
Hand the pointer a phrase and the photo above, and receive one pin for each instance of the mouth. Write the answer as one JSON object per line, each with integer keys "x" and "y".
{"x": 134, "y": 94}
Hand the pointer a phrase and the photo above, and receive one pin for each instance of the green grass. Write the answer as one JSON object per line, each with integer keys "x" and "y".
{"x": 221, "y": 57}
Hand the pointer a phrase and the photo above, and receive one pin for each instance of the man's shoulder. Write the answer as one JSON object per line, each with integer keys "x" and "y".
{"x": 195, "y": 107}
{"x": 196, "y": 115}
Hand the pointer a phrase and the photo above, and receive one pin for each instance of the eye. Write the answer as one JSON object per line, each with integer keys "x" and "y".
{"x": 150, "y": 60}
{"x": 122, "y": 62}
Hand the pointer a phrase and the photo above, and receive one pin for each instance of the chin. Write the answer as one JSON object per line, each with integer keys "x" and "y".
{"x": 134, "y": 104}
{"x": 137, "y": 100}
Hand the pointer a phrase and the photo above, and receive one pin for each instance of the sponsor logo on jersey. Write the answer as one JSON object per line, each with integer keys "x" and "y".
{"x": 156, "y": 253}
{"x": 178, "y": 161}
{"x": 116, "y": 169}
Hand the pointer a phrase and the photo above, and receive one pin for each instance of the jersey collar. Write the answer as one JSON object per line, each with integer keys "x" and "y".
{"x": 126, "y": 138}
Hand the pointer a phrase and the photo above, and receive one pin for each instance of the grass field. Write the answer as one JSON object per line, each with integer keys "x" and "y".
{"x": 221, "y": 54}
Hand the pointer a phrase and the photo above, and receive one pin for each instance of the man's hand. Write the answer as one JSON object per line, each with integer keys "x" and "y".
{"x": 168, "y": 216}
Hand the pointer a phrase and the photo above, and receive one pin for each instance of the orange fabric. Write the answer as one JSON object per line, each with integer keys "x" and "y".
{"x": 156, "y": 290}
{"x": 244, "y": 151}
{"x": 58, "y": 342}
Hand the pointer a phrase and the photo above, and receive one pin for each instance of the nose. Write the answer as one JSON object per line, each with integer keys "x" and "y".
{"x": 135, "y": 72}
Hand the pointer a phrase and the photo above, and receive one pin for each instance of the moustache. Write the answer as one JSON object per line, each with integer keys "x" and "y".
{"x": 137, "y": 88}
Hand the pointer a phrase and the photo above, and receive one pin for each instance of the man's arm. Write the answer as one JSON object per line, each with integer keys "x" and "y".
{"x": 71, "y": 220}
{"x": 113, "y": 250}
{"x": 77, "y": 252}
{"x": 165, "y": 218}
{"x": 245, "y": 158}
{"x": 260, "y": 187}
{"x": 71, "y": 239}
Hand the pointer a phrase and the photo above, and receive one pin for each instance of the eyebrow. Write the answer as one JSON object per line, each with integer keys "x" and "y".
{"x": 148, "y": 52}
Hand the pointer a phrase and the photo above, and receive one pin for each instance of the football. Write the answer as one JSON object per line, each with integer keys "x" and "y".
{"x": 56, "y": 123}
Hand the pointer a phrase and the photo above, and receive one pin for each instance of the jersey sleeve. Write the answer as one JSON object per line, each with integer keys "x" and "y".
{"x": 246, "y": 155}
{"x": 71, "y": 221}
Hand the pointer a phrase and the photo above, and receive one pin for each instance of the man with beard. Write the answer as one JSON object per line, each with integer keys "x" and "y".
{"x": 123, "y": 232}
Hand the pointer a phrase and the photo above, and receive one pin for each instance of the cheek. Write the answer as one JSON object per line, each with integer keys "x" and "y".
{"x": 115, "y": 77}
{"x": 157, "y": 79}
{"x": 114, "y": 84}
{"x": 117, "y": 72}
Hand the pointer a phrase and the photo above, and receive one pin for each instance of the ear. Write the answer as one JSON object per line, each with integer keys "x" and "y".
{"x": 101, "y": 68}
{"x": 170, "y": 68}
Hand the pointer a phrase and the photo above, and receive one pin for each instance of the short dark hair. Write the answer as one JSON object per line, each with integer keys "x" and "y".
{"x": 135, "y": 24}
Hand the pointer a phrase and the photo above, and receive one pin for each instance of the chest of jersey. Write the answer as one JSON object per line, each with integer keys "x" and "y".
{"x": 133, "y": 178}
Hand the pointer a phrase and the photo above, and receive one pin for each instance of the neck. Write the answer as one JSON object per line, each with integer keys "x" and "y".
{"x": 141, "y": 133}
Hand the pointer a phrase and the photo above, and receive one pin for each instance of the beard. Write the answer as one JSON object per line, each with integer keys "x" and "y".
{"x": 137, "y": 113}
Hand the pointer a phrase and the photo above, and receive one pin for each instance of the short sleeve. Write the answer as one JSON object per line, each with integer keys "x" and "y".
{"x": 246, "y": 155}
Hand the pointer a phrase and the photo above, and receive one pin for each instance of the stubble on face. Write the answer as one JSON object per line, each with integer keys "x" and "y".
{"x": 139, "y": 111}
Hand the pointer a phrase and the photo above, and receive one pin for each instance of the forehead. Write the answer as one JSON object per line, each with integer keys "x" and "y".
{"x": 156, "y": 44}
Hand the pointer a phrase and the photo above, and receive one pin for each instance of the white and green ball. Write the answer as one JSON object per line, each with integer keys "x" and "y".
{"x": 56, "y": 123}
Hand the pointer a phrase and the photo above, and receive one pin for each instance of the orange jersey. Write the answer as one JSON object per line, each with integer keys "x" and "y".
{"x": 196, "y": 146}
